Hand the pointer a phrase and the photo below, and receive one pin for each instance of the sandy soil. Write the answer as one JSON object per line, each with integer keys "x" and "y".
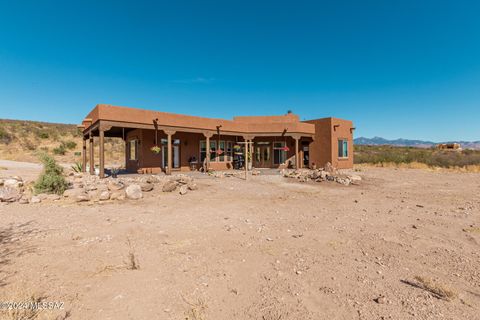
{"x": 270, "y": 249}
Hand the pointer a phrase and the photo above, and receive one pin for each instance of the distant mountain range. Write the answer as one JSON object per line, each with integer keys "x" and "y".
{"x": 377, "y": 141}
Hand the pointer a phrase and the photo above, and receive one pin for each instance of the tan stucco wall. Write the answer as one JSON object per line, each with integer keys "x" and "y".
{"x": 324, "y": 148}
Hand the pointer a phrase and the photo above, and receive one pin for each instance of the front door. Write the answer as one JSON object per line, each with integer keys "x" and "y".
{"x": 263, "y": 155}
{"x": 175, "y": 154}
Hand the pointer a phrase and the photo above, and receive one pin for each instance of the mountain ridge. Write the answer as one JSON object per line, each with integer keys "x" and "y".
{"x": 377, "y": 141}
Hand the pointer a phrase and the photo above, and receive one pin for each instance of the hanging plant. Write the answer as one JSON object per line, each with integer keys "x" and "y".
{"x": 285, "y": 148}
{"x": 237, "y": 147}
{"x": 156, "y": 149}
{"x": 219, "y": 151}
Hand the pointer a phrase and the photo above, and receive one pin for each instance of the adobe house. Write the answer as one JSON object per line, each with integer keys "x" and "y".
{"x": 159, "y": 141}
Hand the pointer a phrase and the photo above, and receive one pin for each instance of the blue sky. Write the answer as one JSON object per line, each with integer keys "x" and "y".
{"x": 407, "y": 69}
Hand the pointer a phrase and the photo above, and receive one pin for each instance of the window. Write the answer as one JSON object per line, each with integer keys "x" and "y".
{"x": 203, "y": 151}
{"x": 229, "y": 151}
{"x": 343, "y": 148}
{"x": 225, "y": 146}
{"x": 221, "y": 147}
{"x": 133, "y": 150}
{"x": 279, "y": 152}
{"x": 213, "y": 150}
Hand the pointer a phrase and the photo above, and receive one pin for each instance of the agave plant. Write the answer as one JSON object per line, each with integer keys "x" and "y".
{"x": 77, "y": 167}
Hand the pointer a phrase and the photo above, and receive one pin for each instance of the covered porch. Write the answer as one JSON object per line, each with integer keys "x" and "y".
{"x": 155, "y": 148}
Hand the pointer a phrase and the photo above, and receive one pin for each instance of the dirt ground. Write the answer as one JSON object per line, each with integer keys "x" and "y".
{"x": 270, "y": 248}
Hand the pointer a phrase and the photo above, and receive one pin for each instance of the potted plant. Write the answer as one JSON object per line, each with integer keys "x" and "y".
{"x": 156, "y": 149}
{"x": 114, "y": 172}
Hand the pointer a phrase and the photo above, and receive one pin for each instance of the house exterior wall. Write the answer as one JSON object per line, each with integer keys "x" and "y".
{"x": 342, "y": 129}
{"x": 190, "y": 130}
{"x": 324, "y": 147}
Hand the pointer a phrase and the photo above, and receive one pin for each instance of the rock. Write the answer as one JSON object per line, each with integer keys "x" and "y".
{"x": 105, "y": 195}
{"x": 117, "y": 195}
{"x": 42, "y": 196}
{"x": 115, "y": 185}
{"x": 169, "y": 186}
{"x": 381, "y": 300}
{"x": 134, "y": 192}
{"x": 94, "y": 195}
{"x": 72, "y": 193}
{"x": 329, "y": 168}
{"x": 91, "y": 187}
{"x": 355, "y": 178}
{"x": 13, "y": 183}
{"x": 343, "y": 180}
{"x": 82, "y": 197}
{"x": 35, "y": 199}
{"x": 182, "y": 179}
{"x": 192, "y": 186}
{"x": 146, "y": 187}
{"x": 23, "y": 200}
{"x": 53, "y": 197}
{"x": 8, "y": 194}
{"x": 183, "y": 189}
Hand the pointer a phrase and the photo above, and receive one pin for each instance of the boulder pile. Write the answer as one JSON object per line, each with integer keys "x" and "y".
{"x": 85, "y": 187}
{"x": 329, "y": 173}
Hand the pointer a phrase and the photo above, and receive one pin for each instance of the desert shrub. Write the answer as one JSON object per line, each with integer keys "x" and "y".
{"x": 69, "y": 144}
{"x": 406, "y": 155}
{"x": 5, "y": 137}
{"x": 60, "y": 150}
{"x": 43, "y": 135}
{"x": 29, "y": 145}
{"x": 51, "y": 180}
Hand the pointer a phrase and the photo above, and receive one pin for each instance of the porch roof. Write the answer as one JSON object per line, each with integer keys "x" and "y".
{"x": 131, "y": 118}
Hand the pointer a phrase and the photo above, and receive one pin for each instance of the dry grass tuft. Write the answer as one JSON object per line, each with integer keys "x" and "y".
{"x": 439, "y": 290}
{"x": 196, "y": 311}
{"x": 132, "y": 261}
{"x": 472, "y": 229}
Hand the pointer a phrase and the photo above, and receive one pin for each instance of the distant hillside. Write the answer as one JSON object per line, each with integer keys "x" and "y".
{"x": 378, "y": 141}
{"x": 23, "y": 140}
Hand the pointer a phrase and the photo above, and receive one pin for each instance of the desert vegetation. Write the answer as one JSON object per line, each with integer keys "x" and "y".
{"x": 51, "y": 179}
{"x": 25, "y": 140}
{"x": 387, "y": 155}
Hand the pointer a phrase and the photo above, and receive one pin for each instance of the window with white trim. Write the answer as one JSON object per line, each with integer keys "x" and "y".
{"x": 279, "y": 152}
{"x": 223, "y": 153}
{"x": 342, "y": 148}
{"x": 133, "y": 149}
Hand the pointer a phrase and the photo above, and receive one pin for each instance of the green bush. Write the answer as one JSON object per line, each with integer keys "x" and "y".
{"x": 5, "y": 137}
{"x": 43, "y": 135}
{"x": 69, "y": 144}
{"x": 51, "y": 180}
{"x": 60, "y": 150}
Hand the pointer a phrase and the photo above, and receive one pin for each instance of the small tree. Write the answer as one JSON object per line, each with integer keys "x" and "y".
{"x": 51, "y": 180}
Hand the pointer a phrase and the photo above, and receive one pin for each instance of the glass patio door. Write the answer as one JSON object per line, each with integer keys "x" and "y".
{"x": 262, "y": 155}
{"x": 175, "y": 155}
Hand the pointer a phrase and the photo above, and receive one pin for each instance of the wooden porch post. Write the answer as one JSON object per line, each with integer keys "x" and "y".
{"x": 246, "y": 159}
{"x": 90, "y": 144}
{"x": 169, "y": 133}
{"x": 247, "y": 146}
{"x": 84, "y": 155}
{"x": 207, "y": 135}
{"x": 102, "y": 153}
{"x": 297, "y": 156}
